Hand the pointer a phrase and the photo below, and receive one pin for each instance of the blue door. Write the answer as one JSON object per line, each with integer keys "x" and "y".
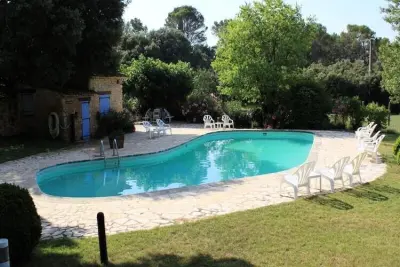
{"x": 104, "y": 104}
{"x": 85, "y": 120}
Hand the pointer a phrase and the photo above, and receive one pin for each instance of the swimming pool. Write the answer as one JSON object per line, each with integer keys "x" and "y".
{"x": 213, "y": 157}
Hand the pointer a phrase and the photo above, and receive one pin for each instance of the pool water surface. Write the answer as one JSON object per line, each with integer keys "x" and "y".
{"x": 210, "y": 158}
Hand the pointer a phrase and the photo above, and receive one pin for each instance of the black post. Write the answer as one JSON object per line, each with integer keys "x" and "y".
{"x": 102, "y": 238}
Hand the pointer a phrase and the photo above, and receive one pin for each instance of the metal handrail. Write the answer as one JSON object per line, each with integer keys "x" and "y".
{"x": 115, "y": 149}
{"x": 102, "y": 154}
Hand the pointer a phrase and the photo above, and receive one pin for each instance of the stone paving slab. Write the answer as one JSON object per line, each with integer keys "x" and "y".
{"x": 76, "y": 217}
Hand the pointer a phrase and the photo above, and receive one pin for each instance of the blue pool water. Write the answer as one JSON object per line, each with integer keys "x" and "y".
{"x": 210, "y": 158}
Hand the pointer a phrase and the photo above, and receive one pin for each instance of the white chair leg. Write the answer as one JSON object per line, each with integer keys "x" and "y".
{"x": 295, "y": 191}
{"x": 351, "y": 179}
{"x": 332, "y": 185}
{"x": 308, "y": 189}
{"x": 342, "y": 182}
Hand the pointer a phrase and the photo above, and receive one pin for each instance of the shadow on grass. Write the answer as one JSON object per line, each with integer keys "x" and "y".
{"x": 156, "y": 260}
{"x": 359, "y": 193}
{"x": 330, "y": 202}
{"x": 384, "y": 189}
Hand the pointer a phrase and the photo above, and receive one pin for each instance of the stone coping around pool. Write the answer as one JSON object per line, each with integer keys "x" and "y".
{"x": 76, "y": 217}
{"x": 159, "y": 193}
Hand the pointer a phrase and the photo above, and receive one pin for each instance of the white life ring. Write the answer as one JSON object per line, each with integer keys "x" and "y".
{"x": 54, "y": 128}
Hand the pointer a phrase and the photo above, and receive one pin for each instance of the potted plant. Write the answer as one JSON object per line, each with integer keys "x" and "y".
{"x": 118, "y": 135}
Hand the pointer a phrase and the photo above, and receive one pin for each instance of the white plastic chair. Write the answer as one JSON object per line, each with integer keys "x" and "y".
{"x": 366, "y": 140}
{"x": 156, "y": 114}
{"x": 299, "y": 178}
{"x": 208, "y": 121}
{"x": 365, "y": 132}
{"x": 150, "y": 129}
{"x": 353, "y": 168}
{"x": 369, "y": 126}
{"x": 148, "y": 115}
{"x": 228, "y": 122}
{"x": 163, "y": 127}
{"x": 335, "y": 172}
{"x": 372, "y": 147}
{"x": 168, "y": 115}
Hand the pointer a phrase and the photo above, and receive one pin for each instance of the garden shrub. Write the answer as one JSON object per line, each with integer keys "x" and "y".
{"x": 240, "y": 115}
{"x": 396, "y": 146}
{"x": 377, "y": 114}
{"x": 114, "y": 121}
{"x": 198, "y": 105}
{"x": 310, "y": 105}
{"x": 20, "y": 222}
{"x": 356, "y": 112}
{"x": 157, "y": 84}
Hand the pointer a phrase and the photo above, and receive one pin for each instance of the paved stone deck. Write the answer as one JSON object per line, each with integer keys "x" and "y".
{"x": 76, "y": 217}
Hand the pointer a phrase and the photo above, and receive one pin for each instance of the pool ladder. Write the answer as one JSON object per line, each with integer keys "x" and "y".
{"x": 114, "y": 161}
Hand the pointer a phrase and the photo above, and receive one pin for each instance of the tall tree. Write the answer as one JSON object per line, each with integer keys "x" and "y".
{"x": 188, "y": 20}
{"x": 134, "y": 26}
{"x": 260, "y": 49}
{"x": 219, "y": 26}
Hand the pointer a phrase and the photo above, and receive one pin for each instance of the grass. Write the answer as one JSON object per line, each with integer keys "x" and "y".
{"x": 394, "y": 124}
{"x": 12, "y": 148}
{"x": 357, "y": 227}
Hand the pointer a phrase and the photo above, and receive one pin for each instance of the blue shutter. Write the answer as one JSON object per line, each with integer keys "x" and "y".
{"x": 104, "y": 104}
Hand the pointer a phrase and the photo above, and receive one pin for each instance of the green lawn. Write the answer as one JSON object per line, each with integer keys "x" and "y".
{"x": 394, "y": 123}
{"x": 359, "y": 227}
{"x": 12, "y": 148}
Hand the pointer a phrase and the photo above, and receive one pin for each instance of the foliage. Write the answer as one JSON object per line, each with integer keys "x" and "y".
{"x": 131, "y": 104}
{"x": 134, "y": 26}
{"x": 219, "y": 26}
{"x": 158, "y": 84}
{"x": 114, "y": 121}
{"x": 346, "y": 78}
{"x": 205, "y": 82}
{"x": 377, "y": 114}
{"x": 396, "y": 146}
{"x": 202, "y": 56}
{"x": 189, "y": 21}
{"x": 58, "y": 43}
{"x": 356, "y": 112}
{"x": 390, "y": 58}
{"x": 256, "y": 54}
{"x": 198, "y": 105}
{"x": 392, "y": 14}
{"x": 240, "y": 115}
{"x": 310, "y": 105}
{"x": 20, "y": 222}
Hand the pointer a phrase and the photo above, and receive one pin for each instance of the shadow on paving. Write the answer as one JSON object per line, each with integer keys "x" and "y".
{"x": 330, "y": 202}
{"x": 61, "y": 231}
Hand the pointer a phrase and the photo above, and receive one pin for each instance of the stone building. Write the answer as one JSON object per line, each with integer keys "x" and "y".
{"x": 70, "y": 115}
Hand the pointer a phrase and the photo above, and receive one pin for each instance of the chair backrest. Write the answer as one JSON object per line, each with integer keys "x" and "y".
{"x": 376, "y": 135}
{"x": 378, "y": 142}
{"x": 370, "y": 124}
{"x": 372, "y": 129}
{"x": 225, "y": 118}
{"x": 207, "y": 119}
{"x": 148, "y": 113}
{"x": 167, "y": 114}
{"x": 156, "y": 114}
{"x": 303, "y": 172}
{"x": 160, "y": 123}
{"x": 146, "y": 125}
{"x": 356, "y": 162}
{"x": 338, "y": 167}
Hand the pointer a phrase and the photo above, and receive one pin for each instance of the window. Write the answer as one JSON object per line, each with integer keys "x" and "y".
{"x": 27, "y": 103}
{"x": 104, "y": 104}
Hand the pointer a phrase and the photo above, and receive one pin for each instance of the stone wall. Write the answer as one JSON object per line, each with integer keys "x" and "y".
{"x": 10, "y": 123}
{"x": 112, "y": 85}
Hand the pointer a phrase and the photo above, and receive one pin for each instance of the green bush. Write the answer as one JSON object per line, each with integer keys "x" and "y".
{"x": 114, "y": 121}
{"x": 19, "y": 221}
{"x": 198, "y": 105}
{"x": 241, "y": 116}
{"x": 356, "y": 112}
{"x": 377, "y": 114}
{"x": 396, "y": 146}
{"x": 157, "y": 84}
{"x": 310, "y": 105}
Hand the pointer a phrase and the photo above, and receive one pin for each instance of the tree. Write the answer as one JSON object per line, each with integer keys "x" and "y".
{"x": 57, "y": 43}
{"x": 219, "y": 26}
{"x": 390, "y": 58}
{"x": 392, "y": 15}
{"x": 158, "y": 84}
{"x": 260, "y": 49}
{"x": 134, "y": 26}
{"x": 188, "y": 20}
{"x": 202, "y": 56}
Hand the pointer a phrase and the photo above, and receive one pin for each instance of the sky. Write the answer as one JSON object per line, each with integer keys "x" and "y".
{"x": 335, "y": 15}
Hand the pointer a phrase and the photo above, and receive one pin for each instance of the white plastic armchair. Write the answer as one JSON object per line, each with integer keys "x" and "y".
{"x": 227, "y": 122}
{"x": 163, "y": 127}
{"x": 367, "y": 131}
{"x": 365, "y": 141}
{"x": 335, "y": 172}
{"x": 208, "y": 121}
{"x": 148, "y": 115}
{"x": 156, "y": 114}
{"x": 150, "y": 129}
{"x": 168, "y": 115}
{"x": 353, "y": 169}
{"x": 372, "y": 147}
{"x": 299, "y": 178}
